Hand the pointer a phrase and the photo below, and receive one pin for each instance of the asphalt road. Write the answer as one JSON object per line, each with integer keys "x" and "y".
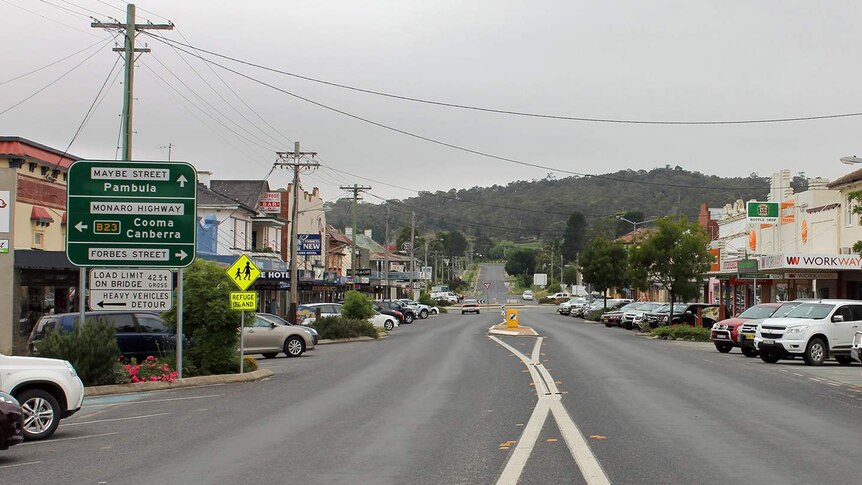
{"x": 441, "y": 402}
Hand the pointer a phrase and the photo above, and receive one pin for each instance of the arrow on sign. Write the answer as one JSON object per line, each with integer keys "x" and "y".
{"x": 81, "y": 226}
{"x": 512, "y": 316}
{"x": 182, "y": 254}
{"x": 182, "y": 180}
{"x": 103, "y": 304}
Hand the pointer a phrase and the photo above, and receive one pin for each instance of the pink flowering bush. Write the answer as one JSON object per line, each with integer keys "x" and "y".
{"x": 151, "y": 369}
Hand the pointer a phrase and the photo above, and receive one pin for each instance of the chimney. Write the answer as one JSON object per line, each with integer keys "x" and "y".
{"x": 204, "y": 177}
{"x": 368, "y": 232}
{"x": 818, "y": 183}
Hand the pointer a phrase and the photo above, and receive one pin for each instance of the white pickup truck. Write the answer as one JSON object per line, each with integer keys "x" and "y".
{"x": 856, "y": 347}
{"x": 48, "y": 390}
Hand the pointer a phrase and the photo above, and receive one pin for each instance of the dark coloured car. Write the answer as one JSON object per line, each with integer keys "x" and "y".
{"x": 746, "y": 331}
{"x": 388, "y": 311}
{"x": 469, "y": 306}
{"x": 11, "y": 421}
{"x": 409, "y": 314}
{"x": 686, "y": 313}
{"x": 139, "y": 334}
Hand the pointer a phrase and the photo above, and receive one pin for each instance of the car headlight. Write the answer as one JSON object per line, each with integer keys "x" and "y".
{"x": 796, "y": 329}
{"x": 8, "y": 399}
{"x": 71, "y": 368}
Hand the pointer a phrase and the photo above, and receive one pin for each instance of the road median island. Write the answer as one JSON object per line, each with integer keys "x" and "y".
{"x": 520, "y": 331}
{"x": 177, "y": 384}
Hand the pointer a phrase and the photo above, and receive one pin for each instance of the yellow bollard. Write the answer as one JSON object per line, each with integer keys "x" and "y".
{"x": 512, "y": 318}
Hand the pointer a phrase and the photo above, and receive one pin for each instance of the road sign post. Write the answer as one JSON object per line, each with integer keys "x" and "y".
{"x": 243, "y": 272}
{"x": 123, "y": 213}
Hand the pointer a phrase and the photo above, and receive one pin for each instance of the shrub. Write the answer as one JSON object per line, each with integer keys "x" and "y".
{"x": 357, "y": 306}
{"x": 249, "y": 363}
{"x": 339, "y": 327}
{"x": 209, "y": 323}
{"x": 426, "y": 299}
{"x": 151, "y": 369}
{"x": 555, "y": 287}
{"x": 594, "y": 315}
{"x": 545, "y": 299}
{"x": 442, "y": 310}
{"x": 682, "y": 332}
{"x": 91, "y": 348}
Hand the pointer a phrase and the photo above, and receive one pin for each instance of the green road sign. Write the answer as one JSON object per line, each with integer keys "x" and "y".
{"x": 762, "y": 212}
{"x": 131, "y": 213}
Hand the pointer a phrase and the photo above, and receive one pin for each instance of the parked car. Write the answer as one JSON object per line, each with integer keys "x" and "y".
{"x": 815, "y": 330}
{"x": 470, "y": 306}
{"x": 655, "y": 317}
{"x": 385, "y": 310}
{"x": 527, "y": 295}
{"x": 307, "y": 313}
{"x": 11, "y": 421}
{"x": 409, "y": 314}
{"x": 277, "y": 319}
{"x": 632, "y": 318}
{"x": 748, "y": 329}
{"x": 856, "y": 347}
{"x": 447, "y": 296}
{"x": 566, "y": 307}
{"x": 269, "y": 338}
{"x": 48, "y": 389}
{"x": 139, "y": 334}
{"x": 387, "y": 322}
{"x": 614, "y": 316}
{"x": 686, "y": 313}
{"x": 725, "y": 333}
{"x": 421, "y": 310}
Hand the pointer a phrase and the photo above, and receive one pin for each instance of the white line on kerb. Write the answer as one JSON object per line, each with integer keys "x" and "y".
{"x": 21, "y": 464}
{"x": 151, "y": 400}
{"x": 549, "y": 399}
{"x": 95, "y": 421}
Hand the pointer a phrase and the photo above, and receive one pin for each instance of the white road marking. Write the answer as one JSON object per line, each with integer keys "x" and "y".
{"x": 21, "y": 464}
{"x": 578, "y": 446}
{"x": 153, "y": 400}
{"x": 47, "y": 442}
{"x": 95, "y": 421}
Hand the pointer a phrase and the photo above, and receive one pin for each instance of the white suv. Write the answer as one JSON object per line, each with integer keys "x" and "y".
{"x": 816, "y": 330}
{"x": 48, "y": 390}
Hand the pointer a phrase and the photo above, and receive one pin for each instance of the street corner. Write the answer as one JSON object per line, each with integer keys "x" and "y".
{"x": 519, "y": 331}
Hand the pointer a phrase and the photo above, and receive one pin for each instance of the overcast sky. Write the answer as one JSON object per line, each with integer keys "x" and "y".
{"x": 656, "y": 60}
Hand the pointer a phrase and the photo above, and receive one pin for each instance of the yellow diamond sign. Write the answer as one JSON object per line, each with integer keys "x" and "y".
{"x": 243, "y": 272}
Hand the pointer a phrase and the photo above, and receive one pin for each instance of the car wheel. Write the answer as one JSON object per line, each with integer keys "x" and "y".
{"x": 608, "y": 325}
{"x": 815, "y": 352}
{"x": 41, "y": 414}
{"x": 769, "y": 356}
{"x": 423, "y": 314}
{"x": 627, "y": 325}
{"x": 408, "y": 318}
{"x": 723, "y": 347}
{"x": 269, "y": 355}
{"x": 844, "y": 360}
{"x": 388, "y": 325}
{"x": 294, "y": 346}
{"x": 463, "y": 312}
{"x": 435, "y": 311}
{"x": 749, "y": 352}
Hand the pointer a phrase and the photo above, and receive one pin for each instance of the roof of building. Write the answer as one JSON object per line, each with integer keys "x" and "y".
{"x": 846, "y": 180}
{"x": 206, "y": 196}
{"x": 18, "y": 147}
{"x": 337, "y": 235}
{"x": 246, "y": 192}
{"x": 822, "y": 208}
{"x": 630, "y": 237}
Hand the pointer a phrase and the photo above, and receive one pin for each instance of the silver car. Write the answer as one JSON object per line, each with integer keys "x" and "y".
{"x": 269, "y": 338}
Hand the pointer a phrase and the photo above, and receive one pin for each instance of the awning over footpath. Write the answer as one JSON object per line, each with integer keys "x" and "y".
{"x": 40, "y": 214}
{"x": 32, "y": 259}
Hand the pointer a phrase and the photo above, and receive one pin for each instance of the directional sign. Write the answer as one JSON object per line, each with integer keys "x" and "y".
{"x": 487, "y": 286}
{"x": 512, "y": 317}
{"x": 131, "y": 289}
{"x": 131, "y": 213}
{"x": 243, "y": 272}
{"x": 243, "y": 300}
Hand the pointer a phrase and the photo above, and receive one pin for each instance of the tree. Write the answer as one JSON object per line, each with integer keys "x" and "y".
{"x": 603, "y": 264}
{"x": 403, "y": 237}
{"x": 208, "y": 320}
{"x": 675, "y": 255}
{"x": 625, "y": 227}
{"x": 521, "y": 262}
{"x": 357, "y": 306}
{"x": 482, "y": 246}
{"x": 454, "y": 242}
{"x": 570, "y": 274}
{"x": 574, "y": 236}
{"x": 502, "y": 250}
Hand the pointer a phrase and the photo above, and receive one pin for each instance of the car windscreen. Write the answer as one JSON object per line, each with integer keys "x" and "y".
{"x": 663, "y": 309}
{"x": 469, "y": 302}
{"x": 648, "y": 307}
{"x": 814, "y": 311}
{"x": 786, "y": 308}
{"x": 757, "y": 312}
{"x": 44, "y": 325}
{"x": 630, "y": 307}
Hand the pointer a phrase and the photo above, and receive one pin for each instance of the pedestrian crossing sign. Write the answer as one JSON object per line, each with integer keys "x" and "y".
{"x": 243, "y": 272}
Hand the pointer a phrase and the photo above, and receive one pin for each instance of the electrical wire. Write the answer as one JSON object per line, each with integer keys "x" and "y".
{"x": 34, "y": 71}
{"x": 87, "y": 32}
{"x": 19, "y": 103}
{"x": 65, "y": 9}
{"x": 443, "y": 143}
{"x": 521, "y": 113}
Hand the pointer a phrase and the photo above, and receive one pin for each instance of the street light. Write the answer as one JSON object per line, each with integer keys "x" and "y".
{"x": 851, "y": 160}
{"x": 635, "y": 224}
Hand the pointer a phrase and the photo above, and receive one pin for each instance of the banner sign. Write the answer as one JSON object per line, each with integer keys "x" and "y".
{"x": 813, "y": 262}
{"x": 811, "y": 276}
{"x": 309, "y": 245}
{"x": 270, "y": 202}
{"x": 766, "y": 212}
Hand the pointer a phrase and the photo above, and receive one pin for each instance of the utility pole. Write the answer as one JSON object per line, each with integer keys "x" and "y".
{"x": 129, "y": 50}
{"x": 356, "y": 189}
{"x": 285, "y": 161}
{"x": 412, "y": 259}
{"x": 386, "y": 257}
{"x": 170, "y": 149}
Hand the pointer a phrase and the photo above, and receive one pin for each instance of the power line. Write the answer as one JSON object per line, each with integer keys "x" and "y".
{"x": 523, "y": 113}
{"x": 19, "y": 103}
{"x": 51, "y": 19}
{"x": 34, "y": 71}
{"x": 443, "y": 143}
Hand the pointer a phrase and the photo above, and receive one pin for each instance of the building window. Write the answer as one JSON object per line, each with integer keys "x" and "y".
{"x": 849, "y": 212}
{"x": 38, "y": 239}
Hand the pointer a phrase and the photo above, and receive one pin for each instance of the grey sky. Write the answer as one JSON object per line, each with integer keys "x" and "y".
{"x": 657, "y": 60}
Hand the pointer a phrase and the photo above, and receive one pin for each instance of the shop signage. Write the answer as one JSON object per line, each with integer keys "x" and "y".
{"x": 814, "y": 262}
{"x": 123, "y": 213}
{"x": 243, "y": 272}
{"x": 747, "y": 265}
{"x": 758, "y": 276}
{"x": 131, "y": 289}
{"x": 4, "y": 246}
{"x": 243, "y": 300}
{"x": 763, "y": 212}
{"x": 811, "y": 276}
{"x": 359, "y": 272}
{"x": 730, "y": 265}
{"x": 309, "y": 245}
{"x": 270, "y": 202}
{"x": 5, "y": 204}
